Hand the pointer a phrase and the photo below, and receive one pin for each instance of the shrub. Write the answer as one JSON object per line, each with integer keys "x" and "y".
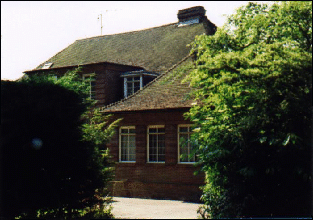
{"x": 50, "y": 169}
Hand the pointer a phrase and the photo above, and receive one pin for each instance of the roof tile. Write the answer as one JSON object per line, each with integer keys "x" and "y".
{"x": 155, "y": 49}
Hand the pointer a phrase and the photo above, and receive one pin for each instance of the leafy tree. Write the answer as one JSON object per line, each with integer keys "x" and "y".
{"x": 52, "y": 166}
{"x": 253, "y": 111}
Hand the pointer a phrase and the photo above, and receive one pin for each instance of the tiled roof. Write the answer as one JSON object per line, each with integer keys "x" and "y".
{"x": 165, "y": 92}
{"x": 154, "y": 49}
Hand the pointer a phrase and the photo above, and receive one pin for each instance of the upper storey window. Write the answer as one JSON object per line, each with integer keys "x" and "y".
{"x": 91, "y": 80}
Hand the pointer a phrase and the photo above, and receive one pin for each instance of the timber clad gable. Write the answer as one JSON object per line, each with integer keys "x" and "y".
{"x": 138, "y": 77}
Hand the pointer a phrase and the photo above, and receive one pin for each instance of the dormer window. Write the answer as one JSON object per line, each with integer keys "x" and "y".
{"x": 136, "y": 80}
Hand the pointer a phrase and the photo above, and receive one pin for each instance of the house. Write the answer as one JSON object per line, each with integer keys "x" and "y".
{"x": 138, "y": 78}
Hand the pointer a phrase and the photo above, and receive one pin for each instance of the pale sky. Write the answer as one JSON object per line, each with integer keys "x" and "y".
{"x": 32, "y": 31}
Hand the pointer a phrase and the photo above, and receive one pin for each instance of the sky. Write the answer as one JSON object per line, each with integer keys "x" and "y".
{"x": 34, "y": 31}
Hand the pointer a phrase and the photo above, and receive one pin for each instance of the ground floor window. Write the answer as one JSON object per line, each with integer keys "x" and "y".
{"x": 156, "y": 143}
{"x": 127, "y": 144}
{"x": 185, "y": 148}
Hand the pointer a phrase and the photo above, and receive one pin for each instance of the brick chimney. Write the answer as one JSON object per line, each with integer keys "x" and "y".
{"x": 189, "y": 14}
{"x": 195, "y": 15}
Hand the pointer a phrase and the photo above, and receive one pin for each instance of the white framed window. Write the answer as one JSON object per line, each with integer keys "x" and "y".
{"x": 132, "y": 85}
{"x": 92, "y": 82}
{"x": 156, "y": 144}
{"x": 186, "y": 152}
{"x": 127, "y": 145}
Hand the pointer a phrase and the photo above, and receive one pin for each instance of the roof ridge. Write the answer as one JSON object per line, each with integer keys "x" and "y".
{"x": 149, "y": 84}
{"x": 127, "y": 32}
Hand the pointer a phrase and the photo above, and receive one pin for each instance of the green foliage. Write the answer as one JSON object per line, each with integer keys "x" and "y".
{"x": 71, "y": 80}
{"x": 253, "y": 112}
{"x": 55, "y": 165}
{"x": 97, "y": 129}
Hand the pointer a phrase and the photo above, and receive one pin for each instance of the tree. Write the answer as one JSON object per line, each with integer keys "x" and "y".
{"x": 52, "y": 166}
{"x": 253, "y": 111}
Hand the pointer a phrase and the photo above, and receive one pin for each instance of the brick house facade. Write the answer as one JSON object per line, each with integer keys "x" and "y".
{"x": 138, "y": 78}
{"x": 169, "y": 179}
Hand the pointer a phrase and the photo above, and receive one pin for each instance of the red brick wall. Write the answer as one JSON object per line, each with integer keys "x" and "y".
{"x": 168, "y": 180}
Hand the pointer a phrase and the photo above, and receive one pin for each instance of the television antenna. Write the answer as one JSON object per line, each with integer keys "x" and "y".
{"x": 101, "y": 22}
{"x": 100, "y": 17}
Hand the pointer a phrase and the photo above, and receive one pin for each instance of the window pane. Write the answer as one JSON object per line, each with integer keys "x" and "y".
{"x": 183, "y": 140}
{"x": 183, "y": 143}
{"x": 183, "y": 129}
{"x": 161, "y": 158}
{"x": 124, "y": 131}
{"x": 123, "y": 157}
{"x": 152, "y": 130}
{"x": 161, "y": 139}
{"x": 153, "y": 158}
{"x": 124, "y": 138}
{"x": 129, "y": 88}
{"x": 193, "y": 153}
{"x": 137, "y": 84}
{"x": 152, "y": 141}
{"x": 153, "y": 148}
{"x": 124, "y": 148}
{"x": 129, "y": 85}
{"x": 136, "y": 89}
{"x": 161, "y": 130}
{"x": 132, "y": 157}
{"x": 131, "y": 139}
{"x": 132, "y": 149}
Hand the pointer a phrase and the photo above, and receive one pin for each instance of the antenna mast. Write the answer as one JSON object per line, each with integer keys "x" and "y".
{"x": 101, "y": 23}
{"x": 101, "y": 18}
